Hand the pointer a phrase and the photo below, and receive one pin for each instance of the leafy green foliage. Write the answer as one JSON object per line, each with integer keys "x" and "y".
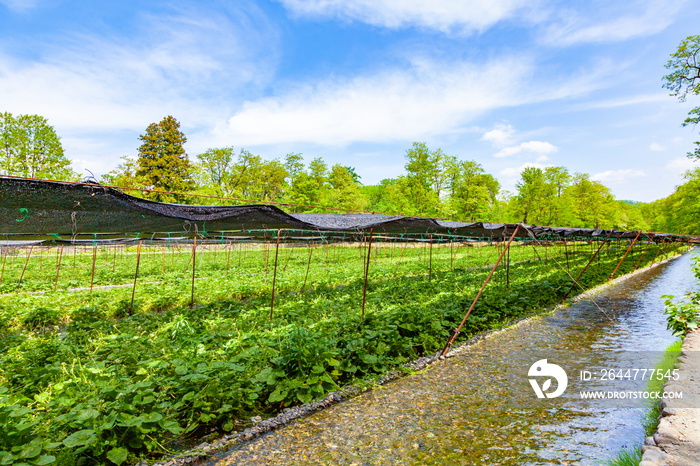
{"x": 684, "y": 79}
{"x": 679, "y": 212}
{"x": 97, "y": 385}
{"x": 162, "y": 163}
{"x": 682, "y": 316}
{"x": 30, "y": 147}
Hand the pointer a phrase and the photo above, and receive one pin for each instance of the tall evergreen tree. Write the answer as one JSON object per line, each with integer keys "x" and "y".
{"x": 163, "y": 163}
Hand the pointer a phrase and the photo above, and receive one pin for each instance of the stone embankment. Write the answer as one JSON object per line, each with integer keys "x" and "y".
{"x": 676, "y": 441}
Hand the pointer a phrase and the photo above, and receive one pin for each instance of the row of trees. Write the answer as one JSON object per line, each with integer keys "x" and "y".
{"x": 679, "y": 212}
{"x": 434, "y": 184}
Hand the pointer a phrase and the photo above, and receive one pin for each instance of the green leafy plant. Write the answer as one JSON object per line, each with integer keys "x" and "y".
{"x": 682, "y": 316}
{"x": 113, "y": 387}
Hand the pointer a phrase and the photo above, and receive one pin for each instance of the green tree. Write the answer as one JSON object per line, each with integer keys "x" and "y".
{"x": 535, "y": 195}
{"x": 428, "y": 174}
{"x": 630, "y": 217}
{"x": 306, "y": 187}
{"x": 472, "y": 192}
{"x": 214, "y": 171}
{"x": 344, "y": 189}
{"x": 29, "y": 147}
{"x": 124, "y": 176}
{"x": 246, "y": 176}
{"x": 163, "y": 164}
{"x": 680, "y": 212}
{"x": 684, "y": 79}
{"x": 592, "y": 203}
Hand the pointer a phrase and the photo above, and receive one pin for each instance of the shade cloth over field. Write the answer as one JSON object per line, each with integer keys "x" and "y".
{"x": 32, "y": 210}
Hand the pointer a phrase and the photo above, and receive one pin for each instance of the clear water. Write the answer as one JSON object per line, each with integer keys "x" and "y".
{"x": 478, "y": 408}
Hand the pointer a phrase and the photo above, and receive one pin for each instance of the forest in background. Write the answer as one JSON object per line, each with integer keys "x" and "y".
{"x": 434, "y": 184}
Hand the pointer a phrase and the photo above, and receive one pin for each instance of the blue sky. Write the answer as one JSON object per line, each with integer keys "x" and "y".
{"x": 507, "y": 83}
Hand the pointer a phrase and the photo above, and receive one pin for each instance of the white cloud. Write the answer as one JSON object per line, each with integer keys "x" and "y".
{"x": 613, "y": 22}
{"x": 614, "y": 176}
{"x": 418, "y": 101}
{"x": 681, "y": 165}
{"x": 425, "y": 99}
{"x": 502, "y": 135}
{"x": 656, "y": 147}
{"x": 627, "y": 100}
{"x": 446, "y": 16}
{"x": 19, "y": 6}
{"x": 536, "y": 147}
{"x": 100, "y": 93}
{"x": 171, "y": 67}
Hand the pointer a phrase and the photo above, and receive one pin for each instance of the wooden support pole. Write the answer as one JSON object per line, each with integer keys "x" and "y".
{"x": 59, "y": 253}
{"x": 194, "y": 269}
{"x": 114, "y": 257}
{"x": 641, "y": 256}
{"x": 26, "y": 263}
{"x": 456, "y": 331}
{"x": 430, "y": 259}
{"x": 364, "y": 288}
{"x": 658, "y": 250}
{"x": 5, "y": 251}
{"x": 136, "y": 276}
{"x": 590, "y": 261}
{"x": 508, "y": 267}
{"x": 92, "y": 271}
{"x": 274, "y": 274}
{"x": 290, "y": 250}
{"x": 308, "y": 266}
{"x": 266, "y": 254}
{"x": 625, "y": 255}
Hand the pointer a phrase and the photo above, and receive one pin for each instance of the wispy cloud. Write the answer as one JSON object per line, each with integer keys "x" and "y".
{"x": 535, "y": 147}
{"x": 424, "y": 99}
{"x": 656, "y": 147}
{"x": 19, "y": 6}
{"x": 460, "y": 16}
{"x": 611, "y": 22}
{"x": 617, "y": 176}
{"x": 96, "y": 88}
{"x": 627, "y": 100}
{"x": 681, "y": 165}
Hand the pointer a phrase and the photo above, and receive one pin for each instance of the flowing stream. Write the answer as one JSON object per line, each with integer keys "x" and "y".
{"x": 478, "y": 406}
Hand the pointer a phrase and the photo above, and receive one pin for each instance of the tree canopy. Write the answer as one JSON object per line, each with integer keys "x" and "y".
{"x": 29, "y": 147}
{"x": 684, "y": 79}
{"x": 162, "y": 162}
{"x": 434, "y": 184}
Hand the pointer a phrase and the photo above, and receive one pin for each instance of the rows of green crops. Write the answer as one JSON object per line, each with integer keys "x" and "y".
{"x": 88, "y": 377}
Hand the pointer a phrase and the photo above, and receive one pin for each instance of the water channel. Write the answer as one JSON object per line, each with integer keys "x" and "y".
{"x": 478, "y": 406}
